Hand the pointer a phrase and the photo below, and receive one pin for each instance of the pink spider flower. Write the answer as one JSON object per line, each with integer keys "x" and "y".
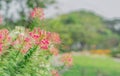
{"x": 5, "y": 39}
{"x": 54, "y": 50}
{"x": 37, "y": 13}
{"x": 24, "y": 42}
{"x": 4, "y": 33}
{"x": 44, "y": 44}
{"x": 27, "y": 39}
{"x": 40, "y": 37}
{"x": 1, "y": 37}
{"x": 55, "y": 38}
{"x": 55, "y": 73}
{"x": 67, "y": 59}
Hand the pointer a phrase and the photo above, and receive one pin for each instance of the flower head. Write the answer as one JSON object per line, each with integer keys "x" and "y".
{"x": 37, "y": 13}
{"x": 44, "y": 44}
{"x": 55, "y": 73}
{"x": 67, "y": 59}
{"x": 54, "y": 50}
{"x": 55, "y": 38}
{"x": 5, "y": 39}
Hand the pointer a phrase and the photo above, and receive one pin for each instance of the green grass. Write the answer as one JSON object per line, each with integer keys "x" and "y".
{"x": 93, "y": 66}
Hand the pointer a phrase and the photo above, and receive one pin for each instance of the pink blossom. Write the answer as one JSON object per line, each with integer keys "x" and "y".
{"x": 55, "y": 38}
{"x": 1, "y": 36}
{"x": 55, "y": 73}
{"x": 44, "y": 44}
{"x": 37, "y": 13}
{"x": 36, "y": 36}
{"x": 67, "y": 59}
{"x": 27, "y": 39}
{"x": 4, "y": 36}
{"x": 54, "y": 50}
{"x": 33, "y": 14}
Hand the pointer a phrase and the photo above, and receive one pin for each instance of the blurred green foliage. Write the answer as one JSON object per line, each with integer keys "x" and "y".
{"x": 83, "y": 29}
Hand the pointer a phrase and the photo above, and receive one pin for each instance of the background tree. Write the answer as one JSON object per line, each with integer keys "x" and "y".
{"x": 83, "y": 29}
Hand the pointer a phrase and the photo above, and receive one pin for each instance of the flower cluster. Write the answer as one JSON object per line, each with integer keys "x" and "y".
{"x": 54, "y": 50}
{"x": 37, "y": 13}
{"x": 23, "y": 42}
{"x": 55, "y": 73}
{"x": 5, "y": 39}
{"x": 67, "y": 59}
{"x": 25, "y": 50}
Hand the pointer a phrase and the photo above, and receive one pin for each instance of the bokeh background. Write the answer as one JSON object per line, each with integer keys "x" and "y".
{"x": 89, "y": 29}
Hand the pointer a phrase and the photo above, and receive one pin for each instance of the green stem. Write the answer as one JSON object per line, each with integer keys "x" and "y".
{"x": 21, "y": 64}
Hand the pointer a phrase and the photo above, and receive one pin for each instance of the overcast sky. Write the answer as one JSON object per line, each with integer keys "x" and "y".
{"x": 105, "y": 8}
